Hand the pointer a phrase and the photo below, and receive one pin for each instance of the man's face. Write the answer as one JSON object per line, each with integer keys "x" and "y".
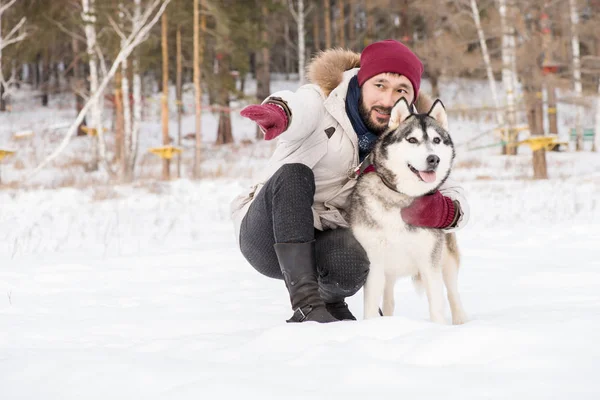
{"x": 378, "y": 96}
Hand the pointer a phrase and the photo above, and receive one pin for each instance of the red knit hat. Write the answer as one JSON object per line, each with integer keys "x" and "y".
{"x": 390, "y": 56}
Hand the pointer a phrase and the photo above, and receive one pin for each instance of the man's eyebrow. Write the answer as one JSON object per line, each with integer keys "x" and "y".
{"x": 401, "y": 85}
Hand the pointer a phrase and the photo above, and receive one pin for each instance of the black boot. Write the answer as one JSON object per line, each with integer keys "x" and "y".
{"x": 340, "y": 311}
{"x": 297, "y": 262}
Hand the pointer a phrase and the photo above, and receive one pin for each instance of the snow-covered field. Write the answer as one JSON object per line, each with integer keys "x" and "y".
{"x": 140, "y": 292}
{"x": 144, "y": 295}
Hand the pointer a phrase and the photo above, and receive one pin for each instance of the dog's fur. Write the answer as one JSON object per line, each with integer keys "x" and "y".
{"x": 395, "y": 248}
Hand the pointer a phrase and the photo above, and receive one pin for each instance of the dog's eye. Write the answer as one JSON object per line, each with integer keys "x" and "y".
{"x": 412, "y": 140}
{"x": 436, "y": 140}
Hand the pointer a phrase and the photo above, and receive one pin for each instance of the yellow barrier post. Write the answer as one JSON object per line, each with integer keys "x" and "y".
{"x": 91, "y": 131}
{"x": 165, "y": 152}
{"x": 4, "y": 153}
{"x": 540, "y": 142}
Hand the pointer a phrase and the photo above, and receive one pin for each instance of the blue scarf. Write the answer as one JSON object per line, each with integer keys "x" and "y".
{"x": 366, "y": 139}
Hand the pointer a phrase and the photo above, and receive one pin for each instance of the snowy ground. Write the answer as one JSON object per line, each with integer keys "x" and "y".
{"x": 140, "y": 292}
{"x": 144, "y": 295}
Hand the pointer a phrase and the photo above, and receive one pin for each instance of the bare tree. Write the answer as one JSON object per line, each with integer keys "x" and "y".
{"x": 166, "y": 163}
{"x": 341, "y": 20}
{"x": 95, "y": 127}
{"x": 327, "y": 19}
{"x": 126, "y": 149}
{"x": 137, "y": 97}
{"x": 488, "y": 63}
{"x": 508, "y": 80}
{"x": 179, "y": 93}
{"x": 299, "y": 15}
{"x": 131, "y": 123}
{"x": 139, "y": 33}
{"x": 576, "y": 71}
{"x": 198, "y": 56}
{"x": 15, "y": 35}
{"x": 597, "y": 128}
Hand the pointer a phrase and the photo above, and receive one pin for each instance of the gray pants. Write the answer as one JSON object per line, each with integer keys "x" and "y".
{"x": 281, "y": 213}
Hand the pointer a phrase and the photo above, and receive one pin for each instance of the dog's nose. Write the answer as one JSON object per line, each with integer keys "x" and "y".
{"x": 433, "y": 161}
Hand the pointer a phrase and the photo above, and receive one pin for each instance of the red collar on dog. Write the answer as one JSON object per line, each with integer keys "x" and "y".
{"x": 370, "y": 168}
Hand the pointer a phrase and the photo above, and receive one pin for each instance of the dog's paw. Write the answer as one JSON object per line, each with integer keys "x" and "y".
{"x": 438, "y": 319}
{"x": 459, "y": 319}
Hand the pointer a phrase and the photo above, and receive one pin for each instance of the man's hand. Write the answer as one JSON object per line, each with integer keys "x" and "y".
{"x": 431, "y": 211}
{"x": 271, "y": 118}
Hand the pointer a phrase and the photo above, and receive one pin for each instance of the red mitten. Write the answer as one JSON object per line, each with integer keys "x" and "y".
{"x": 271, "y": 118}
{"x": 431, "y": 211}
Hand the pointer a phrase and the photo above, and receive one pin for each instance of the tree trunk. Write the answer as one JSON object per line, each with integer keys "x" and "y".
{"x": 127, "y": 125}
{"x": 287, "y": 54}
{"x": 316, "y": 31}
{"x": 98, "y": 148}
{"x": 224, "y": 133}
{"x": 2, "y": 98}
{"x": 179, "y": 95}
{"x": 370, "y": 23}
{"x": 263, "y": 84}
{"x": 596, "y": 145}
{"x": 406, "y": 29}
{"x": 78, "y": 82}
{"x": 341, "y": 25}
{"x": 327, "y": 17}
{"x": 434, "y": 79}
{"x": 535, "y": 120}
{"x": 36, "y": 76}
{"x": 577, "y": 87}
{"x": 198, "y": 56}
{"x": 119, "y": 120}
{"x": 352, "y": 25}
{"x": 166, "y": 174}
{"x": 509, "y": 133}
{"x": 488, "y": 63}
{"x": 300, "y": 16}
{"x": 2, "y": 88}
{"x": 56, "y": 71}
{"x": 263, "y": 58}
{"x": 45, "y": 78}
{"x": 137, "y": 103}
{"x": 551, "y": 109}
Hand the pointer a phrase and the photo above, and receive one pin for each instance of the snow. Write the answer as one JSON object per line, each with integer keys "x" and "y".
{"x": 145, "y": 295}
{"x": 140, "y": 291}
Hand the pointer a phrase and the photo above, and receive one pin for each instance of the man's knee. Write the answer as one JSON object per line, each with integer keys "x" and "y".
{"x": 343, "y": 265}
{"x": 295, "y": 174}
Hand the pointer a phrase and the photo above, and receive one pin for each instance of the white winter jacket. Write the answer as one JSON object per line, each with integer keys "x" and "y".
{"x": 321, "y": 136}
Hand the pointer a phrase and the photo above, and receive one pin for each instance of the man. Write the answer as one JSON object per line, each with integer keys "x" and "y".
{"x": 291, "y": 225}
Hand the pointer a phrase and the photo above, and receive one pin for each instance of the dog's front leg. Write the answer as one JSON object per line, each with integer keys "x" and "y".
{"x": 450, "y": 273}
{"x": 373, "y": 291}
{"x": 432, "y": 279}
{"x": 388, "y": 295}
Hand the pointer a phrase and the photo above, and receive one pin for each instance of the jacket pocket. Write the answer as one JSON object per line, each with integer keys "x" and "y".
{"x": 332, "y": 219}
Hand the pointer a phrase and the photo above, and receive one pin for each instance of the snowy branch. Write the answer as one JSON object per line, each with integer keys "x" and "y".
{"x": 67, "y": 31}
{"x": 101, "y": 59}
{"x": 6, "y": 7}
{"x": 9, "y": 38}
{"x": 117, "y": 28}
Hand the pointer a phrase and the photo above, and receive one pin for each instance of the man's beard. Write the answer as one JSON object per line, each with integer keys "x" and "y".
{"x": 375, "y": 129}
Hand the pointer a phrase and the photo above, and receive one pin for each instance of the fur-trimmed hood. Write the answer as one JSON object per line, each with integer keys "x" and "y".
{"x": 327, "y": 68}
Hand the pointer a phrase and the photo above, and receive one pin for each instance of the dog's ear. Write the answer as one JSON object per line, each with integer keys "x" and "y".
{"x": 438, "y": 112}
{"x": 399, "y": 113}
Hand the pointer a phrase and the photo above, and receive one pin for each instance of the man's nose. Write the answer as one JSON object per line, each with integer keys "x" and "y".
{"x": 390, "y": 99}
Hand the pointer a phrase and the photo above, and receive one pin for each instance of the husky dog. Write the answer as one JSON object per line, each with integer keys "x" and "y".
{"x": 413, "y": 158}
